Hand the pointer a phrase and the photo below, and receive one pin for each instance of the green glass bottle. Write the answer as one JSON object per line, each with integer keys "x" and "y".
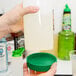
{"x": 66, "y": 36}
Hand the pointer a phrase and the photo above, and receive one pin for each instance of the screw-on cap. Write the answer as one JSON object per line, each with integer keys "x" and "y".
{"x": 18, "y": 52}
{"x": 40, "y": 62}
{"x": 67, "y": 9}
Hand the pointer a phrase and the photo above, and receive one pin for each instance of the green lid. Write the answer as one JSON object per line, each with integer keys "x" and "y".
{"x": 40, "y": 62}
{"x": 18, "y": 52}
{"x": 67, "y": 9}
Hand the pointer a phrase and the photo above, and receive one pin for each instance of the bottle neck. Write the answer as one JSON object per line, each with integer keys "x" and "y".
{"x": 66, "y": 26}
{"x": 66, "y": 30}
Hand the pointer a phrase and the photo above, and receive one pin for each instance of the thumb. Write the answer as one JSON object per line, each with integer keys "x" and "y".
{"x": 27, "y": 10}
{"x": 52, "y": 70}
{"x": 25, "y": 70}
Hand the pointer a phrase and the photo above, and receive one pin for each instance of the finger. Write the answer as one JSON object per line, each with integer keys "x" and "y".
{"x": 25, "y": 69}
{"x": 32, "y": 72}
{"x": 54, "y": 65}
{"x": 52, "y": 70}
{"x": 29, "y": 9}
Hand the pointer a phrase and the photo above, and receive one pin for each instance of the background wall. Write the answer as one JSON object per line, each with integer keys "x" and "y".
{"x": 58, "y": 10}
{"x": 8, "y": 4}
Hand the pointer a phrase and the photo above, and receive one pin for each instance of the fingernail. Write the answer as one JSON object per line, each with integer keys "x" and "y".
{"x": 36, "y": 9}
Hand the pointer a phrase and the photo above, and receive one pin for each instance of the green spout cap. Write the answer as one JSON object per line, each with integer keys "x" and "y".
{"x": 18, "y": 52}
{"x": 67, "y": 9}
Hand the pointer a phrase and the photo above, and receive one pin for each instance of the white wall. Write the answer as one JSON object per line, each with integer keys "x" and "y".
{"x": 58, "y": 9}
{"x": 8, "y": 4}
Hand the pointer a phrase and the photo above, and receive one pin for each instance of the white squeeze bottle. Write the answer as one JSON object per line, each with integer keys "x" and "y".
{"x": 38, "y": 27}
{"x": 3, "y": 56}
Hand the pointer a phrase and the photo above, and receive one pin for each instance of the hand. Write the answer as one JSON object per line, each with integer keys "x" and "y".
{"x": 12, "y": 20}
{"x": 51, "y": 72}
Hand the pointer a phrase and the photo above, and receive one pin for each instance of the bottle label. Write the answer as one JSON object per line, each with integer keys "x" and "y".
{"x": 10, "y": 48}
{"x": 67, "y": 22}
{"x": 3, "y": 59}
{"x": 21, "y": 42}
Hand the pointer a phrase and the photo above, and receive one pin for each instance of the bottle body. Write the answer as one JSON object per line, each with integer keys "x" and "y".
{"x": 66, "y": 36}
{"x": 10, "y": 48}
{"x": 17, "y": 66}
{"x": 65, "y": 45}
{"x": 75, "y": 42}
{"x": 3, "y": 56}
{"x": 55, "y": 45}
{"x": 38, "y": 27}
{"x": 53, "y": 51}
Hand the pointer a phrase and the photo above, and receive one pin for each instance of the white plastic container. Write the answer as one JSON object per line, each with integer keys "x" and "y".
{"x": 10, "y": 48}
{"x": 38, "y": 27}
{"x": 17, "y": 66}
{"x": 3, "y": 56}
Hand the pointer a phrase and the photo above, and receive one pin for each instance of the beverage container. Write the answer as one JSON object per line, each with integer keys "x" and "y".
{"x": 75, "y": 42}
{"x": 55, "y": 38}
{"x": 3, "y": 55}
{"x": 17, "y": 62}
{"x": 53, "y": 51}
{"x": 39, "y": 63}
{"x": 66, "y": 36}
{"x": 10, "y": 48}
{"x": 18, "y": 40}
{"x": 38, "y": 27}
